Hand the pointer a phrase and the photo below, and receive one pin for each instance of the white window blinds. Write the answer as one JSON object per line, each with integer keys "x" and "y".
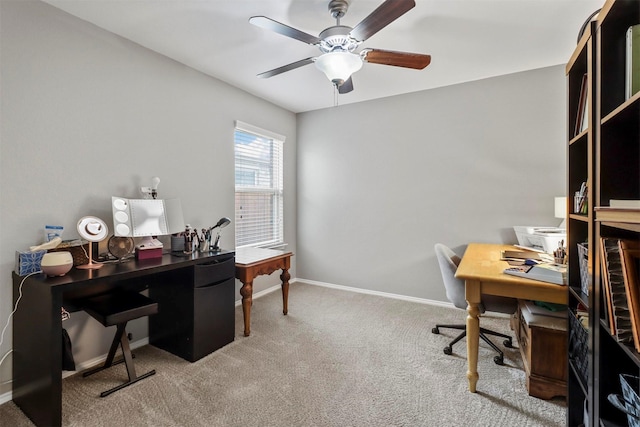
{"x": 259, "y": 186}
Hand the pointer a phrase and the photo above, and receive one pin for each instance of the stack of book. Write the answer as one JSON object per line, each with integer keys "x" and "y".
{"x": 619, "y": 211}
{"x": 545, "y": 272}
{"x": 535, "y": 266}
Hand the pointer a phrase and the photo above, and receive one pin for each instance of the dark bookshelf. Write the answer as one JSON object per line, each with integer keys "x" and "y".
{"x": 607, "y": 156}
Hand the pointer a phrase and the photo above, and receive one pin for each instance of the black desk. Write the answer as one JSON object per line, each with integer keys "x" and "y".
{"x": 187, "y": 290}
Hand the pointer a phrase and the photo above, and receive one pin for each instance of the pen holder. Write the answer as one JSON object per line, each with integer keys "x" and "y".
{"x": 177, "y": 243}
{"x": 580, "y": 204}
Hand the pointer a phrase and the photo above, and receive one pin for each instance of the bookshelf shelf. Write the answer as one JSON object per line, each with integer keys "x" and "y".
{"x": 629, "y": 110}
{"x": 579, "y": 217}
{"x": 579, "y": 137}
{"x": 606, "y": 155}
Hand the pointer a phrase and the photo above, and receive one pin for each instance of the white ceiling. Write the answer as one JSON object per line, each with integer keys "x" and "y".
{"x": 467, "y": 40}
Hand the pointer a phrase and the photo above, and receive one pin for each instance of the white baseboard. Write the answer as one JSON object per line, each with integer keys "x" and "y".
{"x": 377, "y": 293}
{"x": 264, "y": 292}
{"x": 5, "y": 397}
{"x": 394, "y": 296}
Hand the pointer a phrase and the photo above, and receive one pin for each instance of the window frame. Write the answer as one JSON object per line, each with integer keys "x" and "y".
{"x": 253, "y": 195}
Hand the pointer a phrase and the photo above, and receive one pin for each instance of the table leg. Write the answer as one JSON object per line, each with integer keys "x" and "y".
{"x": 285, "y": 276}
{"x": 472, "y": 291}
{"x": 247, "y": 299}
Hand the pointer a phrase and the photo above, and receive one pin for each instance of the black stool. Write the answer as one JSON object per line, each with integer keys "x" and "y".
{"x": 118, "y": 308}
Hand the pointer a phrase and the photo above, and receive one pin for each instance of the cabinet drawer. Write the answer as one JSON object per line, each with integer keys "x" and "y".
{"x": 212, "y": 272}
{"x": 213, "y": 318}
{"x": 523, "y": 340}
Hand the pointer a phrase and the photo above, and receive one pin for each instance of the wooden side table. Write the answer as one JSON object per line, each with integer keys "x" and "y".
{"x": 253, "y": 262}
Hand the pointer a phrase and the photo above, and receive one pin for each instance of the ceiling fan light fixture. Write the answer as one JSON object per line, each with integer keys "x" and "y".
{"x": 338, "y": 66}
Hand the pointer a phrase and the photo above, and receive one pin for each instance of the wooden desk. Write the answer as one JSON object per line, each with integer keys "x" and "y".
{"x": 252, "y": 262}
{"x": 482, "y": 271}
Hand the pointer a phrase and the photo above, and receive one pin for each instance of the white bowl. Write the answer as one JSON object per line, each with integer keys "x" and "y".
{"x": 56, "y": 263}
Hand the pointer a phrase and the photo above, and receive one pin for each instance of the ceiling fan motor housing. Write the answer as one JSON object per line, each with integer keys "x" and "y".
{"x": 337, "y": 38}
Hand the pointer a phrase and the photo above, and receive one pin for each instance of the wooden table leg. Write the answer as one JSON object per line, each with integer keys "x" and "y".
{"x": 285, "y": 276}
{"x": 247, "y": 299}
{"x": 472, "y": 291}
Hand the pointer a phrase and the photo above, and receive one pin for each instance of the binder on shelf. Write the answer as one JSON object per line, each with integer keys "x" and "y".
{"x": 632, "y": 75}
{"x": 608, "y": 307}
{"x": 629, "y": 257}
{"x": 551, "y": 273}
{"x": 621, "y": 316}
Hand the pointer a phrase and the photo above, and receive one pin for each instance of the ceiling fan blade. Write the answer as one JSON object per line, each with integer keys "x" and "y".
{"x": 346, "y": 87}
{"x": 385, "y": 14}
{"x": 285, "y": 30}
{"x": 285, "y": 68}
{"x": 417, "y": 61}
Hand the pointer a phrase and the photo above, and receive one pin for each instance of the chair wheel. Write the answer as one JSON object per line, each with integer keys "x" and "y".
{"x": 447, "y": 350}
{"x": 499, "y": 360}
{"x": 435, "y": 330}
{"x": 508, "y": 343}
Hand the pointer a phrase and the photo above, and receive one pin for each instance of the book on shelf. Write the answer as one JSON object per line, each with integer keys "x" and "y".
{"x": 581, "y": 117}
{"x": 632, "y": 75}
{"x": 545, "y": 272}
{"x": 625, "y": 203}
{"x": 629, "y": 257}
{"x": 609, "y": 213}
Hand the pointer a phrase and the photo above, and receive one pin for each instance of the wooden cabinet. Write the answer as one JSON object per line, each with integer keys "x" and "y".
{"x": 543, "y": 345}
{"x": 606, "y": 155}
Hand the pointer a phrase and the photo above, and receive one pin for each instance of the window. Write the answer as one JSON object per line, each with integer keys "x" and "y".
{"x": 259, "y": 186}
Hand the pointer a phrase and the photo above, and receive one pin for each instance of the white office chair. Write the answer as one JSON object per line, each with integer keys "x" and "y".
{"x": 448, "y": 261}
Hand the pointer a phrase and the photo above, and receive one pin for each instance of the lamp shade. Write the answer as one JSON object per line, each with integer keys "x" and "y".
{"x": 338, "y": 66}
{"x": 560, "y": 207}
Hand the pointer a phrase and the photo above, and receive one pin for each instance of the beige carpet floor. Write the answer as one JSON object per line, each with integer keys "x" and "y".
{"x": 338, "y": 359}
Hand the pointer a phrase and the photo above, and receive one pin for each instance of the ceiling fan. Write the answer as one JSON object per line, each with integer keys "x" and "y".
{"x": 338, "y": 43}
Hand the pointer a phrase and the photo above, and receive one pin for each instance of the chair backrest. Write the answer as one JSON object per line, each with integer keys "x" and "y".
{"x": 448, "y": 261}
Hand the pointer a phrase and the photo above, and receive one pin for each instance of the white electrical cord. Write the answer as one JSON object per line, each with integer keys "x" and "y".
{"x": 15, "y": 308}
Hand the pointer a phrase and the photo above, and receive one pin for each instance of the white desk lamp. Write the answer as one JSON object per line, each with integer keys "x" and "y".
{"x": 93, "y": 230}
{"x": 561, "y": 210}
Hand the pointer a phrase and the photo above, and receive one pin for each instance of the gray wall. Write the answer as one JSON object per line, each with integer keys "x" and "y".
{"x": 379, "y": 183}
{"x": 87, "y": 115}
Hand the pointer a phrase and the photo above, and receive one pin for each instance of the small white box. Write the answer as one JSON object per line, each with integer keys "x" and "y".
{"x": 546, "y": 239}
